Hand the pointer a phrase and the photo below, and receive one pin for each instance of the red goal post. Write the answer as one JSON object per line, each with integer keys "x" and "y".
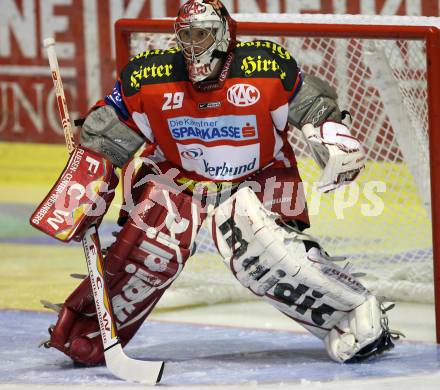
{"x": 428, "y": 34}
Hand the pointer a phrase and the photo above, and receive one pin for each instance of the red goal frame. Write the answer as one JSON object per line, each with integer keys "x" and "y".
{"x": 431, "y": 35}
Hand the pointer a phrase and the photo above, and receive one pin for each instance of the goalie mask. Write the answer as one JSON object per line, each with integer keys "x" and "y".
{"x": 206, "y": 35}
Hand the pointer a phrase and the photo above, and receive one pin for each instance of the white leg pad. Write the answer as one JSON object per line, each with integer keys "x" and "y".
{"x": 275, "y": 264}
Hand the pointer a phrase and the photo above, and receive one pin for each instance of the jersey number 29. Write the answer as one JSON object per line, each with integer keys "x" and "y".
{"x": 173, "y": 101}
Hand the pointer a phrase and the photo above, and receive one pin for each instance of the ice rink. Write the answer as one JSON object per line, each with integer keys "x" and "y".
{"x": 220, "y": 339}
{"x": 232, "y": 346}
{"x": 246, "y": 345}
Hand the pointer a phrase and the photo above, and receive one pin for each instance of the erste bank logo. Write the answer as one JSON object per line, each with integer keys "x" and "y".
{"x": 209, "y": 129}
{"x": 243, "y": 95}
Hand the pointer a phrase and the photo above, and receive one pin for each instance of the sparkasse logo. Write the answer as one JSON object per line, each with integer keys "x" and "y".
{"x": 216, "y": 128}
{"x": 243, "y": 95}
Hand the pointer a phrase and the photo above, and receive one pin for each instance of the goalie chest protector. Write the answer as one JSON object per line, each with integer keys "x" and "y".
{"x": 220, "y": 135}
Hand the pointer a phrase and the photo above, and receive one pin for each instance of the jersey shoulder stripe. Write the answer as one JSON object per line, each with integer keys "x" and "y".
{"x": 264, "y": 59}
{"x": 153, "y": 67}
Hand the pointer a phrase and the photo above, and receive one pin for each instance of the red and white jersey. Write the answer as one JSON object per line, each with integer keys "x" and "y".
{"x": 221, "y": 135}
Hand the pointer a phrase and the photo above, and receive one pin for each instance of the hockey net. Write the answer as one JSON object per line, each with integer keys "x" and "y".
{"x": 382, "y": 223}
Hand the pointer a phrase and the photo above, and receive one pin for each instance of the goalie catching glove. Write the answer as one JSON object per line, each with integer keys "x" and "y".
{"x": 339, "y": 154}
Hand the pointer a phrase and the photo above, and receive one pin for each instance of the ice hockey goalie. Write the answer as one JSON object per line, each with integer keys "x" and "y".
{"x": 211, "y": 118}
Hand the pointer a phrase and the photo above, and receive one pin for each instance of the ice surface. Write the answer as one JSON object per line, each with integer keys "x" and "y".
{"x": 207, "y": 356}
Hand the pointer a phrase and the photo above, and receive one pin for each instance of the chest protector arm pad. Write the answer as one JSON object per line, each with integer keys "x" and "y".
{"x": 314, "y": 103}
{"x": 104, "y": 133}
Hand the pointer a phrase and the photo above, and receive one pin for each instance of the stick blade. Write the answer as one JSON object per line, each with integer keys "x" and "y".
{"x": 120, "y": 365}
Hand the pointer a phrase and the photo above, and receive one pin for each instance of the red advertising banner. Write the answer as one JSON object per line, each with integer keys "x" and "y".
{"x": 83, "y": 30}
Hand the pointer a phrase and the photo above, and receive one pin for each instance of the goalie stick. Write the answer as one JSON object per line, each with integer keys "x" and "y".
{"x": 118, "y": 363}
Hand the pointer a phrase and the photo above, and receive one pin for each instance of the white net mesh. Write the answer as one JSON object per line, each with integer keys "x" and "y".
{"x": 381, "y": 222}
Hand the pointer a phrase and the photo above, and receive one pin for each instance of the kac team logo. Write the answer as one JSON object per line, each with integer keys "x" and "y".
{"x": 243, "y": 95}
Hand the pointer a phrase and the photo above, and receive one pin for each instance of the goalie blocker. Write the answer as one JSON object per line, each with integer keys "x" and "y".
{"x": 79, "y": 198}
